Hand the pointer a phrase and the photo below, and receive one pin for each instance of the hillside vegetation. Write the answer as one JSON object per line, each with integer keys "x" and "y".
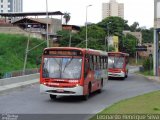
{"x": 12, "y": 52}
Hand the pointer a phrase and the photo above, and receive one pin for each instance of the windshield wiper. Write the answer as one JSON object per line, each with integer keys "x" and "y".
{"x": 67, "y": 64}
{"x": 117, "y": 61}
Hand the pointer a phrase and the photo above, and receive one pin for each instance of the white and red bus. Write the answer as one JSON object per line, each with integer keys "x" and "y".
{"x": 118, "y": 64}
{"x": 71, "y": 71}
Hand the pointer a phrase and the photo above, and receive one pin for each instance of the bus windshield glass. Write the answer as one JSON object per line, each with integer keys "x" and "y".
{"x": 65, "y": 68}
{"x": 115, "y": 62}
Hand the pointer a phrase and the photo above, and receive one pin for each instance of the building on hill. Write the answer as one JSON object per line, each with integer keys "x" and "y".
{"x": 72, "y": 28}
{"x": 149, "y": 51}
{"x": 112, "y": 8}
{"x": 7, "y": 6}
{"x": 38, "y": 26}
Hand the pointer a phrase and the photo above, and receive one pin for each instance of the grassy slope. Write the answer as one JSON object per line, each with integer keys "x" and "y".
{"x": 12, "y": 52}
{"x": 144, "y": 104}
{"x": 148, "y": 103}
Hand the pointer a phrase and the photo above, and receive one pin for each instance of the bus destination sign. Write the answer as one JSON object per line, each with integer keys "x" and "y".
{"x": 63, "y": 52}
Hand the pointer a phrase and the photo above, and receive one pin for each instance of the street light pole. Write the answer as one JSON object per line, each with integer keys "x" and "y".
{"x": 70, "y": 38}
{"x": 136, "y": 53}
{"x": 105, "y": 42}
{"x": 26, "y": 52}
{"x": 86, "y": 26}
{"x": 107, "y": 37}
{"x": 47, "y": 23}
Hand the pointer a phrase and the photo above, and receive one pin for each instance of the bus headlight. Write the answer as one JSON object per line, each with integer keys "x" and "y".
{"x": 44, "y": 83}
{"x": 77, "y": 85}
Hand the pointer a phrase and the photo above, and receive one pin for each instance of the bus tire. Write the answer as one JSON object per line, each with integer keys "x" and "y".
{"x": 53, "y": 97}
{"x": 126, "y": 76}
{"x": 85, "y": 97}
{"x": 123, "y": 78}
{"x": 100, "y": 90}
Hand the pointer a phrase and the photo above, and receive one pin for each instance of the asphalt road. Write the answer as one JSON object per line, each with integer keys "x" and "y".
{"x": 28, "y": 103}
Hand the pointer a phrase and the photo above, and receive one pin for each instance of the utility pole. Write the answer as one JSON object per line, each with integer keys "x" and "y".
{"x": 26, "y": 52}
{"x": 86, "y": 25}
{"x": 108, "y": 36}
{"x": 70, "y": 38}
{"x": 47, "y": 23}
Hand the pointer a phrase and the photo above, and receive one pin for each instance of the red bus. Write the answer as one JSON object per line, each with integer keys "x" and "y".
{"x": 71, "y": 71}
{"x": 118, "y": 64}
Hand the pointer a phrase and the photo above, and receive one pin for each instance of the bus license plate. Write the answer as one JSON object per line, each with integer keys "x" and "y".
{"x": 60, "y": 90}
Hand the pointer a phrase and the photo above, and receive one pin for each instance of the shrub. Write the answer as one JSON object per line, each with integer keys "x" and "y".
{"x": 148, "y": 64}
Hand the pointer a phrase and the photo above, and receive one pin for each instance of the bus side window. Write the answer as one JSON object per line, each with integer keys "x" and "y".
{"x": 127, "y": 60}
{"x": 96, "y": 66}
{"x": 91, "y": 62}
{"x": 105, "y": 62}
{"x": 86, "y": 66}
{"x": 98, "y": 62}
{"x": 102, "y": 62}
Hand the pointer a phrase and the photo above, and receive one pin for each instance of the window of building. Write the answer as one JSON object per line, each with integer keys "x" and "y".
{"x": 1, "y": 6}
{"x": 1, "y": 11}
{"x": 1, "y": 1}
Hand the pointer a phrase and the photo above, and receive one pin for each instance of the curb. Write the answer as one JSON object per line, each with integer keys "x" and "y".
{"x": 17, "y": 85}
{"x": 153, "y": 78}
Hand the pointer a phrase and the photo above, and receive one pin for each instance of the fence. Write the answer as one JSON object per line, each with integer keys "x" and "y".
{"x": 20, "y": 73}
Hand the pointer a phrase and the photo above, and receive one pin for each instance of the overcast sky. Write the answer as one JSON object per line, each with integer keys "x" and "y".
{"x": 141, "y": 11}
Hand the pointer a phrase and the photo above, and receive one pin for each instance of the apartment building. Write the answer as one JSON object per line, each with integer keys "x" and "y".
{"x": 112, "y": 8}
{"x": 11, "y": 6}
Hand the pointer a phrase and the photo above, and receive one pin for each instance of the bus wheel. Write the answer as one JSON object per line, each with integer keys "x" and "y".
{"x": 126, "y": 75}
{"x": 85, "y": 97}
{"x": 53, "y": 97}
{"x": 100, "y": 90}
{"x": 123, "y": 78}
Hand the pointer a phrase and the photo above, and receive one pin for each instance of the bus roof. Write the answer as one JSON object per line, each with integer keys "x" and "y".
{"x": 90, "y": 51}
{"x": 121, "y": 53}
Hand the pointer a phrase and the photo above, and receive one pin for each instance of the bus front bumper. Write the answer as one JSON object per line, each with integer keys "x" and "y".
{"x": 75, "y": 91}
{"x": 111, "y": 74}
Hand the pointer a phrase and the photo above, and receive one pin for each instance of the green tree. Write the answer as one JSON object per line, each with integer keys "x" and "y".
{"x": 147, "y": 35}
{"x": 134, "y": 27}
{"x": 67, "y": 17}
{"x": 92, "y": 44}
{"x": 93, "y": 31}
{"x": 64, "y": 40}
{"x": 129, "y": 43}
{"x": 65, "y": 37}
{"x": 96, "y": 36}
{"x": 115, "y": 25}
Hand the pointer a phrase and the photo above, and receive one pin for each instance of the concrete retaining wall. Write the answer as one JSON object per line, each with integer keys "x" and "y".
{"x": 19, "y": 79}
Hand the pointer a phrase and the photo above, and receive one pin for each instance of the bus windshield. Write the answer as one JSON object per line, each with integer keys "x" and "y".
{"x": 115, "y": 62}
{"x": 65, "y": 68}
